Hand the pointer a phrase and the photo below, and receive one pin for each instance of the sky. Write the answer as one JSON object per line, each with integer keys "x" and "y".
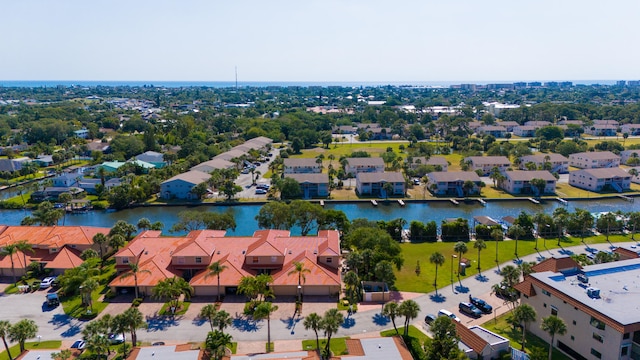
{"x": 329, "y": 40}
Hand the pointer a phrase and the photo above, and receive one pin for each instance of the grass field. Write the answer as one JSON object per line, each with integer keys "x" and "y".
{"x": 73, "y": 305}
{"x": 35, "y": 345}
{"x": 501, "y": 327}
{"x": 408, "y": 280}
{"x": 413, "y": 332}
{"x": 338, "y": 345}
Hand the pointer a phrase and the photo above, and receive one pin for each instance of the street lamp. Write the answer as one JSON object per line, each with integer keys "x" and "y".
{"x": 453, "y": 256}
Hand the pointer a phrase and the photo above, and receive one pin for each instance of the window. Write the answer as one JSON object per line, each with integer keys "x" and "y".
{"x": 597, "y": 323}
{"x": 572, "y": 338}
{"x": 574, "y": 322}
{"x": 273, "y": 259}
{"x": 329, "y": 259}
{"x": 544, "y": 305}
{"x": 554, "y": 310}
{"x": 596, "y": 353}
{"x": 181, "y": 260}
{"x": 546, "y": 292}
{"x": 626, "y": 336}
{"x": 125, "y": 260}
{"x": 598, "y": 337}
{"x": 198, "y": 260}
{"x": 255, "y": 259}
{"x": 624, "y": 351}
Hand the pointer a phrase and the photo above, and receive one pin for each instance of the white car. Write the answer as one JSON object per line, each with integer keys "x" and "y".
{"x": 47, "y": 282}
{"x": 449, "y": 314}
{"x": 79, "y": 344}
{"x": 116, "y": 338}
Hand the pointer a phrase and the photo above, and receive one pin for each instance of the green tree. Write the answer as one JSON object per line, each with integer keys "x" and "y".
{"x": 65, "y": 199}
{"x": 438, "y": 260}
{"x": 215, "y": 269}
{"x": 222, "y": 320}
{"x": 480, "y": 245}
{"x": 65, "y": 354}
{"x": 313, "y": 321}
{"x": 539, "y": 185}
{"x": 553, "y": 325}
{"x": 300, "y": 270}
{"x": 289, "y": 188}
{"x": 216, "y": 343}
{"x": 172, "y": 289}
{"x": 275, "y": 215}
{"x": 264, "y": 311}
{"x": 383, "y": 271}
{"x": 86, "y": 288}
{"x": 5, "y": 328}
{"x": 120, "y": 325}
{"x": 208, "y": 312}
{"x": 352, "y": 286}
{"x": 516, "y": 232}
{"x": 10, "y": 250}
{"x": 523, "y": 315}
{"x": 135, "y": 270}
{"x": 390, "y": 310}
{"x": 144, "y": 224}
{"x": 305, "y": 215}
{"x": 331, "y": 322}
{"x": 98, "y": 344}
{"x": 444, "y": 344}
{"x": 634, "y": 221}
{"x": 23, "y": 330}
{"x": 101, "y": 240}
{"x": 410, "y": 310}
{"x": 135, "y": 321}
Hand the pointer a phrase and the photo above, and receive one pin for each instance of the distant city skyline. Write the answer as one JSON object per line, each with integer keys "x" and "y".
{"x": 331, "y": 41}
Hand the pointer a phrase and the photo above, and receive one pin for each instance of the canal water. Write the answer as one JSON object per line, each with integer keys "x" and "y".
{"x": 246, "y": 223}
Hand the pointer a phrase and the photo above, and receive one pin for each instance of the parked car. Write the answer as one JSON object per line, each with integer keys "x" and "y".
{"x": 53, "y": 300}
{"x": 481, "y": 304}
{"x": 469, "y": 309}
{"x": 449, "y": 314}
{"x": 116, "y": 338}
{"x": 430, "y": 318}
{"x": 47, "y": 282}
{"x": 79, "y": 344}
{"x": 261, "y": 191}
{"x": 263, "y": 186}
{"x": 416, "y": 181}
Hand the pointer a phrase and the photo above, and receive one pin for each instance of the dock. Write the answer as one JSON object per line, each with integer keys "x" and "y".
{"x": 562, "y": 201}
{"x": 322, "y": 203}
{"x": 454, "y": 201}
{"x": 374, "y": 203}
{"x": 627, "y": 198}
{"x": 484, "y": 203}
{"x": 534, "y": 201}
{"x": 400, "y": 202}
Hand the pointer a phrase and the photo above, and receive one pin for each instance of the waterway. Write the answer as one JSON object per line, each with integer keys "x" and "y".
{"x": 246, "y": 223}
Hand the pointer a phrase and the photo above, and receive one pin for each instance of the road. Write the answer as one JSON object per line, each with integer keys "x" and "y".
{"x": 53, "y": 324}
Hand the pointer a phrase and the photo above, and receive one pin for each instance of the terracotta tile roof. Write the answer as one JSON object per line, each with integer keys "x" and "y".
{"x": 626, "y": 253}
{"x": 263, "y": 248}
{"x": 318, "y": 274}
{"x": 66, "y": 258}
{"x": 354, "y": 347}
{"x": 471, "y": 339}
{"x": 229, "y": 277}
{"x": 525, "y": 287}
{"x": 50, "y": 236}
{"x": 5, "y": 261}
{"x": 556, "y": 264}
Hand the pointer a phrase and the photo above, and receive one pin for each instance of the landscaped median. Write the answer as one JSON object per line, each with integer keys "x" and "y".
{"x": 338, "y": 345}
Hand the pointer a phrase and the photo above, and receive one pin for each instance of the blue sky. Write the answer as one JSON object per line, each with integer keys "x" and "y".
{"x": 329, "y": 40}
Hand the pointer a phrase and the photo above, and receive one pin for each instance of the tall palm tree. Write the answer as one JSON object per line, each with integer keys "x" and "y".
{"x": 264, "y": 311}
{"x": 5, "y": 327}
{"x": 65, "y": 199}
{"x": 313, "y": 321}
{"x": 516, "y": 231}
{"x": 134, "y": 270}
{"x": 215, "y": 269}
{"x": 352, "y": 285}
{"x": 437, "y": 259}
{"x": 10, "y": 250}
{"x": 208, "y": 312}
{"x": 222, "y": 320}
{"x": 330, "y": 324}
{"x": 553, "y": 325}
{"x": 87, "y": 287}
{"x": 479, "y": 245}
{"x": 461, "y": 248}
{"x": 390, "y": 310}
{"x": 135, "y": 321}
{"x": 300, "y": 270}
{"x": 23, "y": 246}
{"x": 172, "y": 288}
{"x": 120, "y": 325}
{"x": 524, "y": 314}
{"x": 23, "y": 330}
{"x": 410, "y": 310}
{"x": 100, "y": 239}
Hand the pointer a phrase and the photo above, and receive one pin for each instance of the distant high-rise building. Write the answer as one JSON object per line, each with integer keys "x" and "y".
{"x": 534, "y": 84}
{"x": 551, "y": 84}
{"x": 520, "y": 85}
{"x": 566, "y": 84}
{"x": 633, "y": 83}
{"x": 621, "y": 83}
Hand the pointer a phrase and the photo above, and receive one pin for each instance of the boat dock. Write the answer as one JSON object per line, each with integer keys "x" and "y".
{"x": 400, "y": 202}
{"x": 627, "y": 198}
{"x": 562, "y": 201}
{"x": 322, "y": 203}
{"x": 454, "y": 201}
{"x": 374, "y": 203}
{"x": 534, "y": 201}
{"x": 484, "y": 203}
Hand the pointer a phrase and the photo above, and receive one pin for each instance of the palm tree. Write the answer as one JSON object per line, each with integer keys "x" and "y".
{"x": 98, "y": 344}
{"x": 100, "y": 239}
{"x": 144, "y": 224}
{"x": 135, "y": 321}
{"x": 208, "y": 312}
{"x": 511, "y": 275}
{"x": 390, "y": 310}
{"x": 10, "y": 250}
{"x": 65, "y": 198}
{"x": 134, "y": 270}
{"x": 312, "y": 321}
{"x": 222, "y": 320}
{"x": 215, "y": 269}
{"x": 524, "y": 314}
{"x": 330, "y": 324}
{"x": 553, "y": 325}
{"x": 480, "y": 245}
{"x": 5, "y": 327}
{"x": 409, "y": 309}
{"x": 172, "y": 288}
{"x": 23, "y": 246}
{"x": 87, "y": 287}
{"x": 300, "y": 270}
{"x": 526, "y": 268}
{"x": 461, "y": 248}
{"x": 216, "y": 343}
{"x": 498, "y": 236}
{"x": 516, "y": 231}
{"x": 20, "y": 189}
{"x": 264, "y": 311}
{"x": 23, "y": 330}
{"x": 352, "y": 286}
{"x": 120, "y": 325}
{"x": 437, "y": 259}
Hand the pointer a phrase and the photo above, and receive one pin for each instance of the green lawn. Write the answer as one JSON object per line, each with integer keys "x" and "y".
{"x": 338, "y": 345}
{"x": 413, "y": 332}
{"x": 408, "y": 280}
{"x": 73, "y": 305}
{"x": 501, "y": 327}
{"x": 182, "y": 308}
{"x": 35, "y": 345}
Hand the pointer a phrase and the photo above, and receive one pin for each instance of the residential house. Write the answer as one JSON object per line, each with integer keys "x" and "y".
{"x": 360, "y": 165}
{"x": 635, "y": 178}
{"x": 373, "y": 183}
{"x": 12, "y": 165}
{"x": 90, "y": 184}
{"x": 111, "y": 166}
{"x": 214, "y": 164}
{"x": 345, "y": 129}
{"x": 606, "y": 122}
{"x": 57, "y": 248}
{"x": 593, "y": 160}
{"x": 452, "y": 183}
{"x": 538, "y": 124}
{"x": 439, "y": 162}
{"x": 177, "y": 352}
{"x": 571, "y": 122}
{"x": 82, "y": 133}
{"x": 479, "y": 343}
{"x": 525, "y": 131}
{"x": 628, "y": 154}
{"x": 601, "y": 130}
{"x": 631, "y": 129}
{"x": 43, "y": 160}
{"x": 601, "y": 179}
{"x": 152, "y": 157}
{"x": 594, "y": 303}
{"x": 52, "y": 193}
{"x": 98, "y": 146}
{"x": 493, "y": 130}
{"x": 487, "y": 163}
{"x": 67, "y": 179}
{"x": 312, "y": 185}
{"x": 519, "y": 182}
{"x": 380, "y": 134}
{"x": 302, "y": 166}
{"x": 231, "y": 154}
{"x": 509, "y": 125}
{"x": 558, "y": 163}
{"x": 268, "y": 251}
{"x": 473, "y": 125}
{"x": 181, "y": 185}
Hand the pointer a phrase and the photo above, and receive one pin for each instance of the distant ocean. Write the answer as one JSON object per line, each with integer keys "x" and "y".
{"x": 230, "y": 84}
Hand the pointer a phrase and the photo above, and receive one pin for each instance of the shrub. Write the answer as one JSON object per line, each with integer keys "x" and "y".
{"x": 415, "y": 348}
{"x": 136, "y": 302}
{"x": 250, "y": 307}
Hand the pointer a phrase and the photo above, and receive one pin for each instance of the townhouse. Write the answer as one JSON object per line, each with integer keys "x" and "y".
{"x": 302, "y": 166}
{"x": 557, "y": 162}
{"x": 593, "y": 160}
{"x": 601, "y": 130}
{"x": 493, "y": 130}
{"x": 603, "y": 179}
{"x": 626, "y": 155}
{"x": 362, "y": 165}
{"x": 373, "y": 184}
{"x": 311, "y": 185}
{"x": 181, "y": 185}
{"x": 453, "y": 183}
{"x": 631, "y": 129}
{"x": 487, "y": 163}
{"x": 438, "y": 162}
{"x": 520, "y": 182}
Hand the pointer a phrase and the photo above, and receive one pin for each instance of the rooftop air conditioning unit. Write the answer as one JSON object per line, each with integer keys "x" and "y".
{"x": 583, "y": 278}
{"x": 593, "y": 293}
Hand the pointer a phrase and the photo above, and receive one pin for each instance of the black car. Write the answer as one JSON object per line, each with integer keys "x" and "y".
{"x": 469, "y": 309}
{"x": 429, "y": 319}
{"x": 481, "y": 304}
